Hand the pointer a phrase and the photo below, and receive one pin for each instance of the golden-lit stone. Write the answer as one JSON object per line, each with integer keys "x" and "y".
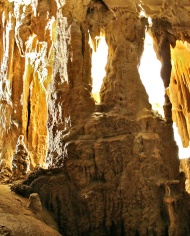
{"x": 179, "y": 89}
{"x": 113, "y": 166}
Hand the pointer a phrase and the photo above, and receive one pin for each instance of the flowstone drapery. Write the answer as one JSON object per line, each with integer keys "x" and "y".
{"x": 113, "y": 166}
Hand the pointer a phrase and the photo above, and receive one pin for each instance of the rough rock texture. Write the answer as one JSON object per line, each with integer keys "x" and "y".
{"x": 34, "y": 203}
{"x": 114, "y": 168}
{"x": 117, "y": 184}
{"x": 26, "y": 70}
{"x": 179, "y": 89}
{"x": 20, "y": 160}
{"x": 17, "y": 219}
{"x": 185, "y": 167}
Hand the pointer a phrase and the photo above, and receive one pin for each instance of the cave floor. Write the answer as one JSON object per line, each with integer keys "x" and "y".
{"x": 17, "y": 219}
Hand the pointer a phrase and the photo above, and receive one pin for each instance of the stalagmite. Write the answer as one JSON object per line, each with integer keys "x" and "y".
{"x": 110, "y": 168}
{"x": 20, "y": 159}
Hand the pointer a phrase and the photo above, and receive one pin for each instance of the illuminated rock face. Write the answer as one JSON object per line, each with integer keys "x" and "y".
{"x": 119, "y": 167}
{"x": 179, "y": 90}
{"x": 20, "y": 159}
{"x": 27, "y": 33}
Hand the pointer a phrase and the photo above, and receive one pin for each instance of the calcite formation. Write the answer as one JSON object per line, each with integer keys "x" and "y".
{"x": 17, "y": 219}
{"x": 20, "y": 160}
{"x": 34, "y": 203}
{"x": 113, "y": 167}
{"x": 179, "y": 89}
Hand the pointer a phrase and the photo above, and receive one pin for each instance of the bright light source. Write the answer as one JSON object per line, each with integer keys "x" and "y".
{"x": 183, "y": 152}
{"x": 150, "y": 21}
{"x": 99, "y": 61}
{"x": 149, "y": 71}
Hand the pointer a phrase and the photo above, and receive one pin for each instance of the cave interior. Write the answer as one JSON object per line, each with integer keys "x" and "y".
{"x": 104, "y": 160}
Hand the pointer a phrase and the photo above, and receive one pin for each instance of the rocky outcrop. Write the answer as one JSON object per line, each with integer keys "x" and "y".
{"x": 17, "y": 219}
{"x": 113, "y": 166}
{"x": 48, "y": 65}
{"x": 117, "y": 183}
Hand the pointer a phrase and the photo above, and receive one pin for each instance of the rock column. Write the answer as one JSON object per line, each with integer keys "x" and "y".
{"x": 122, "y": 90}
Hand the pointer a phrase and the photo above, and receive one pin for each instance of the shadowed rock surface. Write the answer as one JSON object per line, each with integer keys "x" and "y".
{"x": 101, "y": 169}
{"x": 17, "y": 219}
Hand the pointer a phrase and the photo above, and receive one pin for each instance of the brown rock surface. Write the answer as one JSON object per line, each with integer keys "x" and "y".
{"x": 16, "y": 219}
{"x": 114, "y": 168}
{"x": 115, "y": 181}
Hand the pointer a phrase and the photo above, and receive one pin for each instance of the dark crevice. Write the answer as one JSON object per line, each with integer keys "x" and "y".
{"x": 29, "y": 114}
{"x": 94, "y": 3}
{"x": 59, "y": 215}
{"x": 83, "y": 33}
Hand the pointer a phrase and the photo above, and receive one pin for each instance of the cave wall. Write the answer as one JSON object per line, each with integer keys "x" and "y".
{"x": 179, "y": 89}
{"x": 118, "y": 159}
{"x": 27, "y": 32}
{"x": 42, "y": 71}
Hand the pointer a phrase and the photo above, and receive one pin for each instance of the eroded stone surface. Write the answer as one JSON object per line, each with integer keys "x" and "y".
{"x": 118, "y": 165}
{"x": 34, "y": 203}
{"x": 17, "y": 219}
{"x": 179, "y": 90}
{"x": 20, "y": 159}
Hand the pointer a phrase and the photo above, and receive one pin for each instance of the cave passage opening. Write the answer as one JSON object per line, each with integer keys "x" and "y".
{"x": 149, "y": 70}
{"x": 99, "y": 61}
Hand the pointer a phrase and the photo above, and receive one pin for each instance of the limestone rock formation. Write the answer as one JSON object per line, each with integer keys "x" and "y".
{"x": 16, "y": 219}
{"x": 5, "y": 231}
{"x": 113, "y": 167}
{"x": 34, "y": 203}
{"x": 20, "y": 159}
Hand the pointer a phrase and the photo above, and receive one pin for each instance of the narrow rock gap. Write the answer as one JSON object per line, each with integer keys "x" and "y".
{"x": 99, "y": 61}
{"x": 149, "y": 70}
{"x": 28, "y": 122}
